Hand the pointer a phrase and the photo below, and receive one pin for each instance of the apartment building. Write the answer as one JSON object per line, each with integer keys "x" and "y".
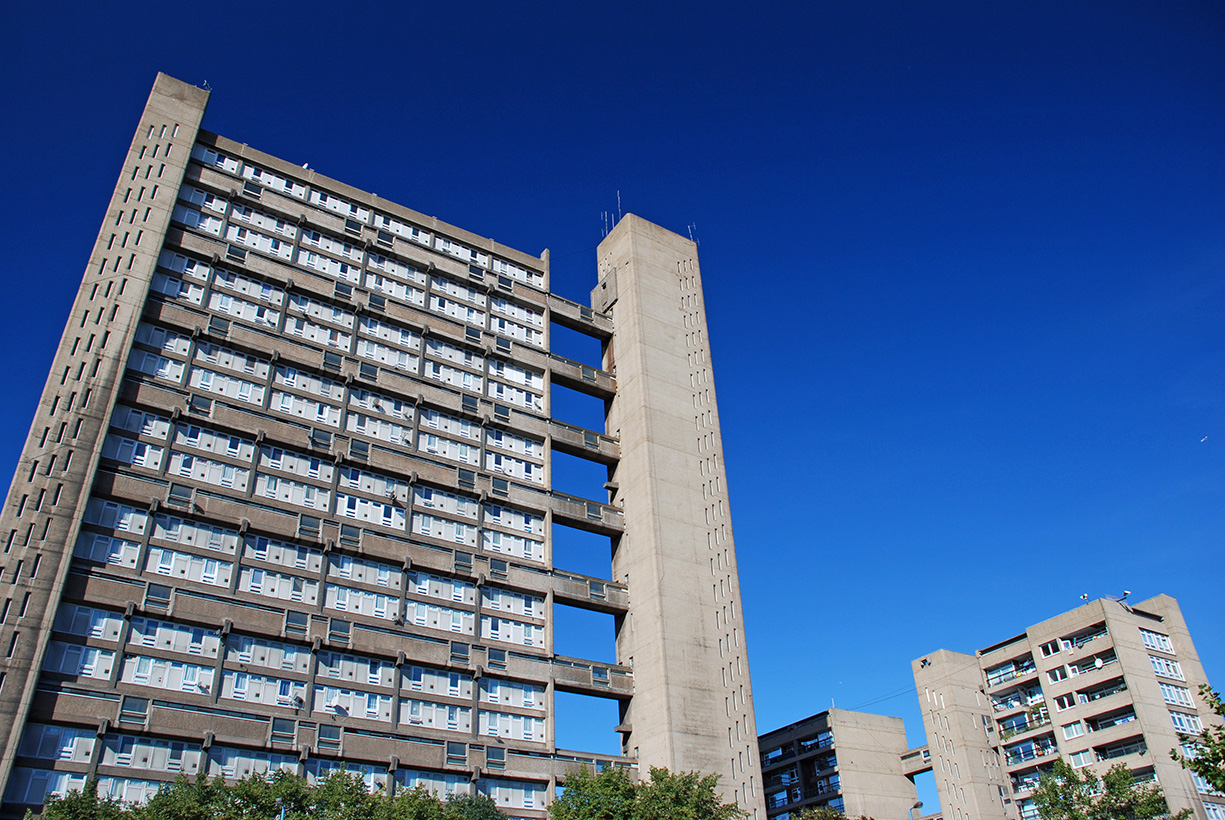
{"x": 287, "y": 499}
{"x": 1106, "y": 683}
{"x": 853, "y": 762}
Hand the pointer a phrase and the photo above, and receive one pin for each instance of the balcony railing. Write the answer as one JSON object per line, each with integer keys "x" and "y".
{"x": 1034, "y": 723}
{"x": 1033, "y": 753}
{"x": 1020, "y": 672}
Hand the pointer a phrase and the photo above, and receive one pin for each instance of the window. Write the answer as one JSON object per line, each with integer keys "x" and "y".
{"x": 308, "y": 527}
{"x": 338, "y": 631}
{"x": 1157, "y": 641}
{"x": 1057, "y": 674}
{"x": 296, "y": 624}
{"x": 1065, "y": 702}
{"x": 283, "y": 731}
{"x": 1166, "y": 667}
{"x": 133, "y": 710}
{"x": 1081, "y": 759}
{"x": 1072, "y": 730}
{"x": 329, "y": 737}
{"x": 1178, "y": 695}
{"x": 1183, "y": 722}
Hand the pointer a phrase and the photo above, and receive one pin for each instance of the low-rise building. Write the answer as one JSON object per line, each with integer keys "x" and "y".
{"x": 849, "y": 761}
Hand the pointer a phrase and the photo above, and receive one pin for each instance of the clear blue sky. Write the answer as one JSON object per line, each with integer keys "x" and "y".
{"x": 963, "y": 263}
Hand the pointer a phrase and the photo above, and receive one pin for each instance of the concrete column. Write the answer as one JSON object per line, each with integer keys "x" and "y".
{"x": 684, "y": 636}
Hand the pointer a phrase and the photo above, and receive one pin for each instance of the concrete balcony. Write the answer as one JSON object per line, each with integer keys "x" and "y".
{"x": 589, "y": 593}
{"x": 592, "y": 678}
{"x": 580, "y": 317}
{"x": 581, "y": 377}
{"x": 577, "y": 441}
{"x": 583, "y": 514}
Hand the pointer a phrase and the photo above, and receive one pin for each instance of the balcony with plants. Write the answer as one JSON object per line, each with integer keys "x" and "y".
{"x": 1034, "y": 717}
{"x": 1022, "y": 696}
{"x": 1028, "y": 750}
{"x": 1015, "y": 669}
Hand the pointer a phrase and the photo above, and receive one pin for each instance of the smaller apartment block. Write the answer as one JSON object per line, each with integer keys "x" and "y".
{"x": 849, "y": 761}
{"x": 1104, "y": 684}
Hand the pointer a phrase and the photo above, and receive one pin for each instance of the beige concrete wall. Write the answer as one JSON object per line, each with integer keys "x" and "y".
{"x": 964, "y": 762}
{"x": 692, "y": 705}
{"x": 870, "y": 749}
{"x": 85, "y": 375}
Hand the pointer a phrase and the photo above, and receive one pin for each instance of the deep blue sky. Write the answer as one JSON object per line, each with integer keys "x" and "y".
{"x": 963, "y": 263}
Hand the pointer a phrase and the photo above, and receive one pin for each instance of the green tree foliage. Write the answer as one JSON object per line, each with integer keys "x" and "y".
{"x": 687, "y": 796}
{"x": 470, "y": 807}
{"x": 1207, "y": 758}
{"x": 82, "y": 805}
{"x": 340, "y": 797}
{"x": 1067, "y": 794}
{"x": 822, "y": 813}
{"x": 611, "y": 795}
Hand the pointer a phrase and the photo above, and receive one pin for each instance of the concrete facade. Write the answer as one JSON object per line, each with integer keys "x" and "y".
{"x": 684, "y": 637}
{"x": 853, "y": 762}
{"x": 1106, "y": 683}
{"x": 287, "y": 501}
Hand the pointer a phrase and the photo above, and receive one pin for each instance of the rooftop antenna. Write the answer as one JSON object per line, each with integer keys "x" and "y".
{"x": 618, "y": 204}
{"x": 693, "y": 229}
{"x": 207, "y": 87}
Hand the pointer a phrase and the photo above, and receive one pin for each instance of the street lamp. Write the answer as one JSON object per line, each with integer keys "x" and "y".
{"x": 280, "y": 801}
{"x": 917, "y": 805}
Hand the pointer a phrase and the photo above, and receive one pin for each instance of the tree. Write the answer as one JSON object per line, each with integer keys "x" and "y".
{"x": 412, "y": 804}
{"x": 1067, "y": 794}
{"x": 611, "y": 795}
{"x": 822, "y": 813}
{"x": 1206, "y": 755}
{"x": 341, "y": 796}
{"x": 819, "y": 813}
{"x": 471, "y": 807}
{"x": 687, "y": 796}
{"x": 82, "y": 805}
{"x": 254, "y": 797}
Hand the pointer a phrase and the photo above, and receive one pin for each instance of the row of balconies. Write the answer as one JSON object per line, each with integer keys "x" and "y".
{"x": 353, "y": 231}
{"x": 581, "y": 513}
{"x": 566, "y": 372}
{"x": 565, "y": 312}
{"x": 593, "y": 445}
{"x": 214, "y": 727}
{"x": 591, "y": 593}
